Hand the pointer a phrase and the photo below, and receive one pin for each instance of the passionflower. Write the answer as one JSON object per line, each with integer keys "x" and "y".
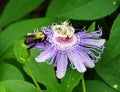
{"x": 63, "y": 44}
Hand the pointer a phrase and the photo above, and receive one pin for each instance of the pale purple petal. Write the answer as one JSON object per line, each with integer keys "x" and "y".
{"x": 85, "y": 58}
{"x": 78, "y": 63}
{"x": 52, "y": 61}
{"x": 45, "y": 55}
{"x": 93, "y": 42}
{"x": 90, "y": 53}
{"x": 62, "y": 62}
{"x": 94, "y": 34}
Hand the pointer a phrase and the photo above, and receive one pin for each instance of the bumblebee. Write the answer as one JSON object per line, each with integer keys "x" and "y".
{"x": 33, "y": 38}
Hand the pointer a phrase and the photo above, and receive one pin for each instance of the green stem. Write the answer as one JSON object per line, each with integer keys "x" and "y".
{"x": 32, "y": 76}
{"x": 83, "y": 84}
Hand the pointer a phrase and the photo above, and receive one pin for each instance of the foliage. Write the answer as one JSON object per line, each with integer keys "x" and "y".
{"x": 19, "y": 72}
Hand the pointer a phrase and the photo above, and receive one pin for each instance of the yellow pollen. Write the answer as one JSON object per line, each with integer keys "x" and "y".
{"x": 63, "y": 30}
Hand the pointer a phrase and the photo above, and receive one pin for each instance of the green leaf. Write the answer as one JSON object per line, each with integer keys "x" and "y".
{"x": 2, "y": 88}
{"x": 44, "y": 74}
{"x": 70, "y": 80}
{"x": 110, "y": 73}
{"x": 97, "y": 86}
{"x": 35, "y": 52}
{"x": 19, "y": 86}
{"x": 21, "y": 51}
{"x": 91, "y": 28}
{"x": 20, "y": 29}
{"x": 9, "y": 72}
{"x": 94, "y": 86}
{"x": 63, "y": 4}
{"x": 112, "y": 47}
{"x": 108, "y": 67}
{"x": 15, "y": 10}
{"x": 81, "y": 9}
{"x": 9, "y": 53}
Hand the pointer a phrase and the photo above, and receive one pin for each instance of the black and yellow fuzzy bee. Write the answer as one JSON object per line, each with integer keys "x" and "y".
{"x": 32, "y": 39}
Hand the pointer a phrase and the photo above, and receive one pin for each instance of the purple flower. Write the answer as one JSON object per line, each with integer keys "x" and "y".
{"x": 62, "y": 44}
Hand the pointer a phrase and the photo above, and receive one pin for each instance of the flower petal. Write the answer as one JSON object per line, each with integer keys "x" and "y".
{"x": 86, "y": 59}
{"x": 62, "y": 62}
{"x": 78, "y": 63}
{"x": 93, "y": 42}
{"x": 94, "y": 34}
{"x": 45, "y": 55}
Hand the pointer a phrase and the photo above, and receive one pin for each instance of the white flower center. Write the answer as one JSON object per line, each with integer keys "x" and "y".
{"x": 63, "y": 37}
{"x": 63, "y": 30}
{"x": 65, "y": 43}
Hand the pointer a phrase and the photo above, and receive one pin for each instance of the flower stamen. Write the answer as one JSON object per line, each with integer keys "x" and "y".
{"x": 64, "y": 30}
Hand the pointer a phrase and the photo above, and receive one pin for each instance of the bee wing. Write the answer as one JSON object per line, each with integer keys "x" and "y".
{"x": 29, "y": 39}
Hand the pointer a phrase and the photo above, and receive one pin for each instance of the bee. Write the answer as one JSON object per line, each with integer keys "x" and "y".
{"x": 33, "y": 38}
